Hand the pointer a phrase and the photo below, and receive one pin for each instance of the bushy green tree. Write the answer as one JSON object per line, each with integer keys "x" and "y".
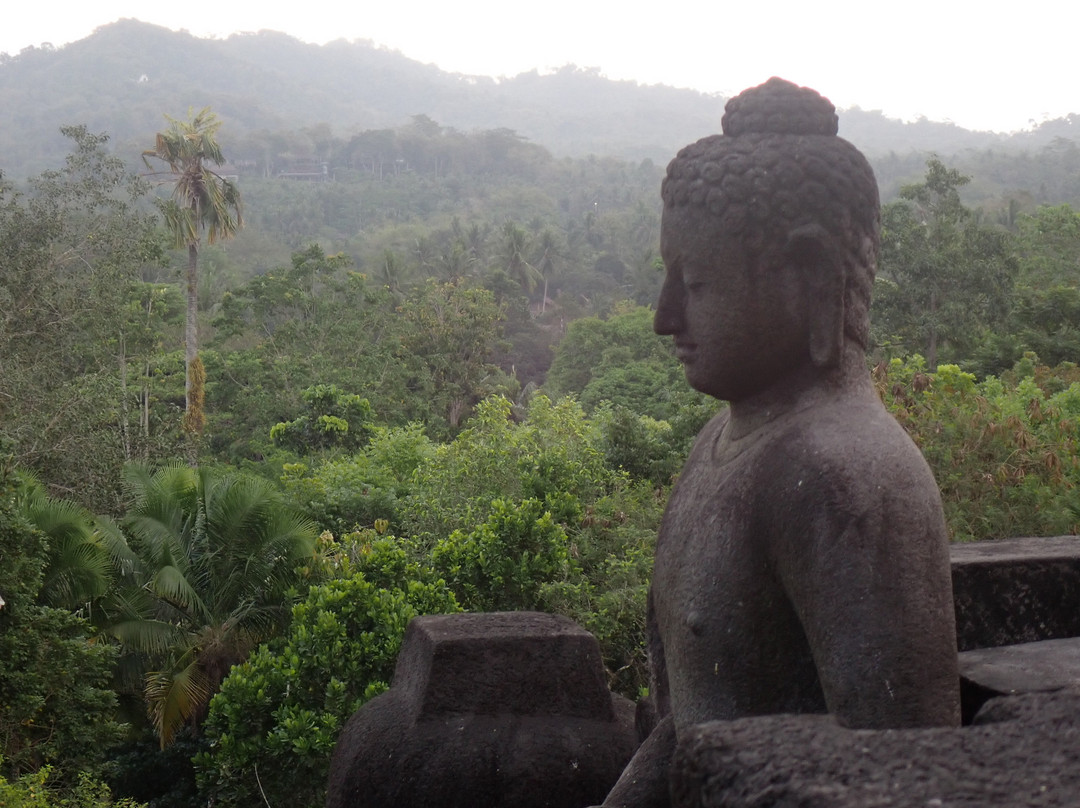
{"x": 1046, "y": 302}
{"x": 449, "y": 334}
{"x": 79, "y": 325}
{"x": 424, "y": 357}
{"x": 643, "y": 447}
{"x": 56, "y": 701}
{"x": 504, "y": 563}
{"x": 551, "y": 454}
{"x": 1048, "y": 247}
{"x": 333, "y": 419}
{"x": 944, "y": 278}
{"x": 620, "y": 360}
{"x": 274, "y": 724}
{"x": 342, "y": 494}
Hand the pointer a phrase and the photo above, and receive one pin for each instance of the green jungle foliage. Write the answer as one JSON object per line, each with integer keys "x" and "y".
{"x": 345, "y": 493}
{"x": 1004, "y": 451}
{"x": 509, "y": 515}
{"x": 440, "y": 355}
{"x": 212, "y": 560}
{"x": 81, "y": 324}
{"x": 333, "y": 419}
{"x": 38, "y": 789}
{"x": 273, "y": 726}
{"x": 57, "y": 706}
{"x": 945, "y": 278}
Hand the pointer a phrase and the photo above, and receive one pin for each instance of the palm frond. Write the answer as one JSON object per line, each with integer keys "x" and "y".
{"x": 201, "y": 199}
{"x": 79, "y": 568}
{"x": 112, "y": 540}
{"x": 155, "y": 638}
{"x": 174, "y": 696}
{"x": 173, "y": 587}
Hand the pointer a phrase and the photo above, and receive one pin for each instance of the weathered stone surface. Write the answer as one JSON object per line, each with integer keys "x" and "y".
{"x": 1016, "y": 591}
{"x": 505, "y": 709}
{"x": 1025, "y": 668}
{"x": 1022, "y": 751}
{"x": 802, "y": 564}
{"x": 1031, "y": 667}
{"x": 545, "y": 664}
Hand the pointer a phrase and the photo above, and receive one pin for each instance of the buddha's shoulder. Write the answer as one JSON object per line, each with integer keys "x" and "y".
{"x": 856, "y": 435}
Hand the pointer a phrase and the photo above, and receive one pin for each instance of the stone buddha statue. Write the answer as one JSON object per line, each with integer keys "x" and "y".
{"x": 802, "y": 564}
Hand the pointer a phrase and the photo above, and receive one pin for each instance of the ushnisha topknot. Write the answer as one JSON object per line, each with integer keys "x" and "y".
{"x": 779, "y": 107}
{"x": 780, "y": 166}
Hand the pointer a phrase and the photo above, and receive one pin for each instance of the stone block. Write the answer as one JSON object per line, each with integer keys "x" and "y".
{"x": 1016, "y": 591}
{"x": 495, "y": 710}
{"x": 1021, "y": 751}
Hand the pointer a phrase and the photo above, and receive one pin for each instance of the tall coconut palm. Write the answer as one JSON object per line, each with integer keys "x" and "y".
{"x": 202, "y": 202}
{"x": 216, "y": 555}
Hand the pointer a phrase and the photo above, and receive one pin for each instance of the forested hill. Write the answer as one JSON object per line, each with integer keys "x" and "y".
{"x": 123, "y": 77}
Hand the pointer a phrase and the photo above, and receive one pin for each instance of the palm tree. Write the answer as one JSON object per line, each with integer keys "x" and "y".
{"x": 215, "y": 557}
{"x": 390, "y": 271}
{"x": 84, "y": 555}
{"x": 202, "y": 201}
{"x": 550, "y": 259}
{"x": 513, "y": 250}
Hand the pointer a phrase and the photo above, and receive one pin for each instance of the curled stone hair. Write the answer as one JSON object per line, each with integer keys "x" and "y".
{"x": 780, "y": 166}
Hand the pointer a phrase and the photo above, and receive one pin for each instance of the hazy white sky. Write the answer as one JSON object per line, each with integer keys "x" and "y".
{"x": 946, "y": 59}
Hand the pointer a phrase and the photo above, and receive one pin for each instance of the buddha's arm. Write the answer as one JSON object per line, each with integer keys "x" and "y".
{"x": 865, "y": 564}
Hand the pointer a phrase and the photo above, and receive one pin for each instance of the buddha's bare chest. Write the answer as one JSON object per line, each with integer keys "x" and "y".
{"x": 731, "y": 638}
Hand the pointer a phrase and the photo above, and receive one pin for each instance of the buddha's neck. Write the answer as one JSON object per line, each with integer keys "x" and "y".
{"x": 808, "y": 386}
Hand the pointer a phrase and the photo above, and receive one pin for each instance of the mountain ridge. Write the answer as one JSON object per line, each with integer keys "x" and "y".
{"x": 122, "y": 78}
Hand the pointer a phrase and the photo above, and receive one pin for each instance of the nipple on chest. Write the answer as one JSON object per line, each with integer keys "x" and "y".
{"x": 695, "y": 621}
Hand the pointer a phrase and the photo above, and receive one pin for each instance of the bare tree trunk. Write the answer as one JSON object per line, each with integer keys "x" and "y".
{"x": 191, "y": 325}
{"x": 144, "y": 415}
{"x": 931, "y": 350}
{"x": 125, "y": 405}
{"x": 195, "y": 375}
{"x": 146, "y": 409}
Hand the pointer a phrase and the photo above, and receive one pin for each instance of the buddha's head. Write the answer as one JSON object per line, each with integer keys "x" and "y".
{"x": 770, "y": 237}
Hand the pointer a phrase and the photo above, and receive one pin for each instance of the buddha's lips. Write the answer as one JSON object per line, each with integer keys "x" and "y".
{"x": 684, "y": 351}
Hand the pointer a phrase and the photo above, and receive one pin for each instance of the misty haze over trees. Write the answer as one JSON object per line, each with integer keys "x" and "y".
{"x": 430, "y": 381}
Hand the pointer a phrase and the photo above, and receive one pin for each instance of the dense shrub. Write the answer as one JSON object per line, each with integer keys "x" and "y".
{"x": 1004, "y": 451}
{"x": 273, "y": 725}
{"x": 551, "y": 454}
{"x": 39, "y": 789}
{"x": 504, "y": 563}
{"x": 346, "y": 493}
{"x": 56, "y": 703}
{"x": 332, "y": 419}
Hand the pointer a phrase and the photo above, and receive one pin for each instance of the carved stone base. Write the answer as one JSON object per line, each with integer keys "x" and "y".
{"x": 493, "y": 710}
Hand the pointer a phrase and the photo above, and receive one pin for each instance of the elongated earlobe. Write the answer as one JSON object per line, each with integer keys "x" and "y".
{"x": 812, "y": 251}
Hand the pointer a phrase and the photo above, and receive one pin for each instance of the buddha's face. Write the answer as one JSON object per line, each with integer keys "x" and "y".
{"x": 739, "y": 326}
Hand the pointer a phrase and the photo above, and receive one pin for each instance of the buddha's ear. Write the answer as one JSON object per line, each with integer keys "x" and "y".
{"x": 812, "y": 252}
